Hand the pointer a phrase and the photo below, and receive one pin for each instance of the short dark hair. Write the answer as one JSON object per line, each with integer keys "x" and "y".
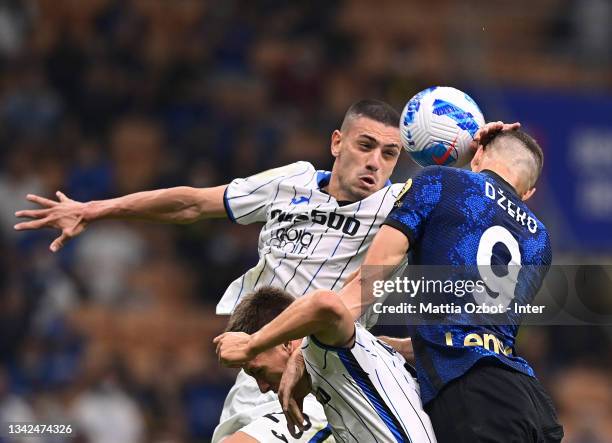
{"x": 375, "y": 110}
{"x": 527, "y": 141}
{"x": 258, "y": 309}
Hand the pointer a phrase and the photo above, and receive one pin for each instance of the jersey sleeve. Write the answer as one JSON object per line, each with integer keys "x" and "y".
{"x": 246, "y": 200}
{"x": 415, "y": 203}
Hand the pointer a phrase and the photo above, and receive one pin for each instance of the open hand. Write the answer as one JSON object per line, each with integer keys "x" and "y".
{"x": 489, "y": 130}
{"x": 66, "y": 215}
{"x": 293, "y": 387}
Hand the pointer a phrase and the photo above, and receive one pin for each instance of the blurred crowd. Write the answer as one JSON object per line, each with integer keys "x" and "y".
{"x": 100, "y": 98}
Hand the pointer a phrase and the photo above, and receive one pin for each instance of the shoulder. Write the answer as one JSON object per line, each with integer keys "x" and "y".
{"x": 436, "y": 175}
{"x": 297, "y": 168}
{"x": 540, "y": 245}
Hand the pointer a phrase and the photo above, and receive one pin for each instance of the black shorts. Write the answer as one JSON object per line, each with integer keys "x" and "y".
{"x": 491, "y": 403}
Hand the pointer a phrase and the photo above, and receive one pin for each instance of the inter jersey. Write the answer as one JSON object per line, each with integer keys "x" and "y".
{"x": 473, "y": 221}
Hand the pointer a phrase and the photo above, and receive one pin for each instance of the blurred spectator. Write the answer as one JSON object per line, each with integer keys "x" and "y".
{"x": 105, "y": 97}
{"x": 103, "y": 411}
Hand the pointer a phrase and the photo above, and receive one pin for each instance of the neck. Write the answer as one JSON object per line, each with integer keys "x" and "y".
{"x": 512, "y": 177}
{"x": 335, "y": 189}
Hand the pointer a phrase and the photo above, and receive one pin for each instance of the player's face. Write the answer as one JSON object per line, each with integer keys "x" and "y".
{"x": 366, "y": 153}
{"x": 267, "y": 368}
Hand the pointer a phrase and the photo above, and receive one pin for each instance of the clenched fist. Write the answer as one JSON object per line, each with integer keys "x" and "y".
{"x": 233, "y": 349}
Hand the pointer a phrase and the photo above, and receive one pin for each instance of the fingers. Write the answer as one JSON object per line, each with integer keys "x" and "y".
{"x": 294, "y": 417}
{"x": 59, "y": 242}
{"x": 218, "y": 341}
{"x": 489, "y": 130}
{"x": 41, "y": 200}
{"x": 61, "y": 196}
{"x": 32, "y": 213}
{"x": 511, "y": 126}
{"x": 34, "y": 224}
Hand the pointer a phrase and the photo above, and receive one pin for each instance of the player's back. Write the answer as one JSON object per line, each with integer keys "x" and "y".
{"x": 473, "y": 212}
{"x": 366, "y": 391}
{"x": 471, "y": 222}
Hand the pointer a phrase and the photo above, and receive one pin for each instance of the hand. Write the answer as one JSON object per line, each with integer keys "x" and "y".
{"x": 489, "y": 130}
{"x": 233, "y": 349}
{"x": 294, "y": 386}
{"x": 66, "y": 215}
{"x": 401, "y": 345}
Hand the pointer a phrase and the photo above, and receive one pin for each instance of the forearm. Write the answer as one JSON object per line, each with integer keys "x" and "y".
{"x": 173, "y": 205}
{"x": 386, "y": 253}
{"x": 306, "y": 316}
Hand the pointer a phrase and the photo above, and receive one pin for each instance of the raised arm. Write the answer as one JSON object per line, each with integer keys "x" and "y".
{"x": 387, "y": 251}
{"x": 321, "y": 314}
{"x": 174, "y": 205}
{"x": 244, "y": 200}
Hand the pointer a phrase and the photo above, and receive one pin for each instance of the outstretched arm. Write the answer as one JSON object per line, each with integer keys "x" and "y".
{"x": 174, "y": 205}
{"x": 321, "y": 314}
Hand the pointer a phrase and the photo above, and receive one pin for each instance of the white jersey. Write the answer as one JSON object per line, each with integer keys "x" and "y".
{"x": 308, "y": 241}
{"x": 367, "y": 393}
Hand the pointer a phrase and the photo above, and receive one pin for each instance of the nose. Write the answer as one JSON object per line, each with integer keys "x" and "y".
{"x": 374, "y": 160}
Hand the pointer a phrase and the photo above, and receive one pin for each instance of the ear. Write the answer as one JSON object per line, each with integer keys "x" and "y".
{"x": 336, "y": 139}
{"x": 288, "y": 346}
{"x": 476, "y": 162}
{"x": 292, "y": 345}
{"x": 527, "y": 195}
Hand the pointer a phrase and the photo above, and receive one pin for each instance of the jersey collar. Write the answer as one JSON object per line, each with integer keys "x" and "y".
{"x": 323, "y": 178}
{"x": 500, "y": 180}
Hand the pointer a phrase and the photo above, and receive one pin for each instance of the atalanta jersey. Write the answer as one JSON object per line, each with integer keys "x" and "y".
{"x": 472, "y": 221}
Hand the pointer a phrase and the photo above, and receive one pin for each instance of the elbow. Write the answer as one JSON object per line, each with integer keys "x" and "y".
{"x": 328, "y": 306}
{"x": 189, "y": 205}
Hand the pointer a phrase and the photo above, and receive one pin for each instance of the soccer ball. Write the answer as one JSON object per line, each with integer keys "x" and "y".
{"x": 437, "y": 126}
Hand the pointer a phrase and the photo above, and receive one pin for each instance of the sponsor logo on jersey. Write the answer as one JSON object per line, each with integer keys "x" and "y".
{"x": 333, "y": 220}
{"x": 295, "y": 241}
{"x": 400, "y": 196}
{"x": 488, "y": 341}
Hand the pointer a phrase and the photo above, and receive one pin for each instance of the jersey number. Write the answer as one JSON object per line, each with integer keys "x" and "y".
{"x": 504, "y": 285}
{"x": 283, "y": 437}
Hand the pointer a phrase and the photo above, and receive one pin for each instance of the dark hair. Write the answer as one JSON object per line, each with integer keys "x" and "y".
{"x": 258, "y": 309}
{"x": 527, "y": 141}
{"x": 374, "y": 110}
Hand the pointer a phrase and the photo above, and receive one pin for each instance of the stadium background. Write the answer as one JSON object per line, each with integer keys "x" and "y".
{"x": 101, "y": 98}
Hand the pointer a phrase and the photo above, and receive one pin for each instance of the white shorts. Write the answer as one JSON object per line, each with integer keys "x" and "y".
{"x": 259, "y": 415}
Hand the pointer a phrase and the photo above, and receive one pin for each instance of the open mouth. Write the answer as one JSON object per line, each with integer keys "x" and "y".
{"x": 368, "y": 180}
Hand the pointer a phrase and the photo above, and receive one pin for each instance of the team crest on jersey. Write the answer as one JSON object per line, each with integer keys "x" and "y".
{"x": 398, "y": 200}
